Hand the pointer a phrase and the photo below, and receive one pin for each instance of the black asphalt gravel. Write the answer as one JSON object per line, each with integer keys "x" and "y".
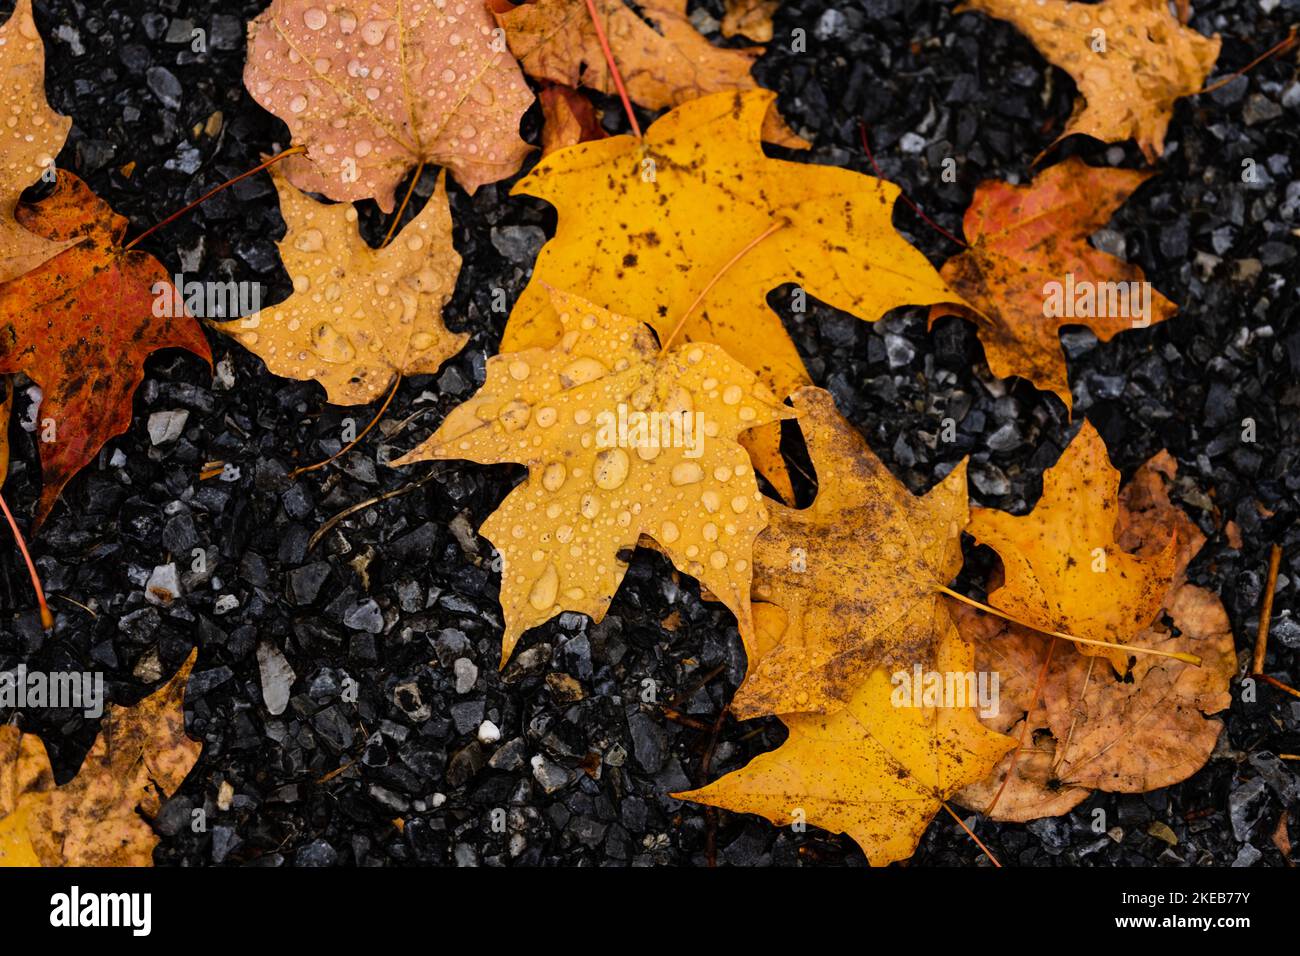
{"x": 399, "y": 600}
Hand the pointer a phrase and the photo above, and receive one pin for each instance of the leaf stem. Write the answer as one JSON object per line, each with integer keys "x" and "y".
{"x": 397, "y": 378}
{"x": 1274, "y": 682}
{"x": 362, "y": 505}
{"x": 970, "y": 833}
{"x": 866, "y": 148}
{"x": 47, "y": 619}
{"x": 663, "y": 350}
{"x": 613, "y": 68}
{"x": 291, "y": 151}
{"x": 392, "y": 229}
{"x": 1266, "y": 610}
{"x": 1127, "y": 648}
{"x": 1280, "y": 47}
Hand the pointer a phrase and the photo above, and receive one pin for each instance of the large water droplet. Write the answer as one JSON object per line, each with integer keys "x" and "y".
{"x": 611, "y": 468}
{"x": 372, "y": 32}
{"x": 686, "y": 473}
{"x": 581, "y": 371}
{"x": 514, "y": 415}
{"x": 544, "y": 589}
{"x": 309, "y": 240}
{"x": 553, "y": 477}
{"x": 331, "y": 344}
{"x": 679, "y": 402}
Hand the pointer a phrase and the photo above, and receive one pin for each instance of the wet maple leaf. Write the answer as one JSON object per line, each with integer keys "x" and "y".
{"x": 81, "y": 326}
{"x": 646, "y": 225}
{"x": 1151, "y": 730}
{"x": 357, "y": 316}
{"x": 856, "y": 573}
{"x": 376, "y": 87}
{"x": 141, "y": 755}
{"x": 568, "y": 118}
{"x": 876, "y": 771}
{"x": 1016, "y": 655}
{"x": 1022, "y": 238}
{"x": 1065, "y": 570}
{"x": 28, "y": 144}
{"x": 665, "y": 62}
{"x": 1131, "y": 60}
{"x": 1091, "y": 730}
{"x": 751, "y": 18}
{"x": 1161, "y": 700}
{"x": 567, "y": 533}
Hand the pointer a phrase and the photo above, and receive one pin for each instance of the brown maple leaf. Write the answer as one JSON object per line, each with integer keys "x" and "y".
{"x": 856, "y": 573}
{"x": 568, "y": 118}
{"x": 81, "y": 326}
{"x": 1016, "y": 655}
{"x": 1091, "y": 730}
{"x": 375, "y": 88}
{"x": 663, "y": 59}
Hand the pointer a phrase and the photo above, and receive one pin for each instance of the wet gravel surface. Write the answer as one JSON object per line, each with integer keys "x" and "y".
{"x": 399, "y": 601}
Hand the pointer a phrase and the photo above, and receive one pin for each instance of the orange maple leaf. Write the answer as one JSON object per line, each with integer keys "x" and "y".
{"x": 81, "y": 325}
{"x": 1030, "y": 271}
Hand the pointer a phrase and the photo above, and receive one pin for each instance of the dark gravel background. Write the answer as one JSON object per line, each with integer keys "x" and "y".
{"x": 400, "y": 598}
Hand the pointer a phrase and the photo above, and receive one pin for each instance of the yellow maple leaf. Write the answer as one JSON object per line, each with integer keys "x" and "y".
{"x": 1064, "y": 569}
{"x": 140, "y": 756}
{"x": 1130, "y": 58}
{"x": 876, "y": 770}
{"x": 647, "y": 226}
{"x": 600, "y": 475}
{"x": 856, "y": 574}
{"x": 28, "y": 144}
{"x": 357, "y": 316}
